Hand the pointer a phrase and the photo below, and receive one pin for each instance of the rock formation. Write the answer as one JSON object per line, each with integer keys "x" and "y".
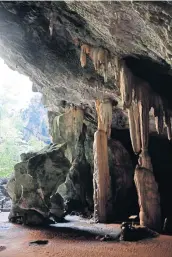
{"x": 76, "y": 53}
{"x": 58, "y": 179}
{"x": 28, "y": 188}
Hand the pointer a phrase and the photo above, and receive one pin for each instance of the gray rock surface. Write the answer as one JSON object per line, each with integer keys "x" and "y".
{"x": 58, "y": 179}
{"x": 36, "y": 180}
{"x": 139, "y": 31}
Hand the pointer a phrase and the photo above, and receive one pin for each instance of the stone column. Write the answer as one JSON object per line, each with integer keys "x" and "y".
{"x": 101, "y": 176}
{"x": 148, "y": 198}
{"x": 137, "y": 98}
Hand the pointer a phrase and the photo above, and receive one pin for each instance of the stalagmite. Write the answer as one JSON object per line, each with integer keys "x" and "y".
{"x": 148, "y": 197}
{"x": 145, "y": 160}
{"x": 101, "y": 176}
{"x": 136, "y": 97}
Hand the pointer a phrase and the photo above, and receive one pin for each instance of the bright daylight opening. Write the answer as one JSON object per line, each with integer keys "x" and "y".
{"x": 23, "y": 119}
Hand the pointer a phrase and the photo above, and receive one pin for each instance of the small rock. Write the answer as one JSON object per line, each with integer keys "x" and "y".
{"x": 39, "y": 242}
{"x": 2, "y": 248}
{"x": 133, "y": 233}
{"x": 104, "y": 238}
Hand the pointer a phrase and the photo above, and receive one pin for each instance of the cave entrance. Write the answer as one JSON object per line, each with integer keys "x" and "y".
{"x": 23, "y": 123}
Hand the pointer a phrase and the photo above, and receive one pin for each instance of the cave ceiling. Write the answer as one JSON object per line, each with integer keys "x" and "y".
{"x": 139, "y": 32}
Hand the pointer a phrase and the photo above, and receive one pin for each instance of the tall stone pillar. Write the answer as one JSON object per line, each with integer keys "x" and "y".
{"x": 148, "y": 198}
{"x": 101, "y": 176}
{"x": 137, "y": 97}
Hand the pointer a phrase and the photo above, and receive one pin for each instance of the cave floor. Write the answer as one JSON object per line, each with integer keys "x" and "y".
{"x": 76, "y": 237}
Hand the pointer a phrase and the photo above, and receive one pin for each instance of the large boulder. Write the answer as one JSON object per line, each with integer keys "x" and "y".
{"x": 35, "y": 182}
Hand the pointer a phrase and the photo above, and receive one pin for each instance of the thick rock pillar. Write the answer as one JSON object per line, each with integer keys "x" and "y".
{"x": 137, "y": 98}
{"x": 148, "y": 198}
{"x": 101, "y": 176}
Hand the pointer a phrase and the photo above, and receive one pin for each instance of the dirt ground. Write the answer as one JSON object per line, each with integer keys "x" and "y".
{"x": 77, "y": 237}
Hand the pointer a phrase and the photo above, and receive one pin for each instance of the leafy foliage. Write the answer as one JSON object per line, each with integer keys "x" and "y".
{"x": 12, "y": 127}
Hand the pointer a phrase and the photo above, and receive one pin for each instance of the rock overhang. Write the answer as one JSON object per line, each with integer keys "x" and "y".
{"x": 139, "y": 32}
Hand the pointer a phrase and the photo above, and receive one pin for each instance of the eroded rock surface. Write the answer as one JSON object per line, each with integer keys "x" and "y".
{"x": 35, "y": 182}
{"x": 140, "y": 30}
{"x": 43, "y": 40}
{"x": 58, "y": 179}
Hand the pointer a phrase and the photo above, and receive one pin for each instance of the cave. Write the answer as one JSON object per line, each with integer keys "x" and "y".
{"x": 104, "y": 69}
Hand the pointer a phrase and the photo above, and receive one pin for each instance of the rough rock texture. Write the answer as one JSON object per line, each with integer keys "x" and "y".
{"x": 53, "y": 182}
{"x": 48, "y": 51}
{"x": 140, "y": 30}
{"x": 67, "y": 128}
{"x": 101, "y": 178}
{"x": 36, "y": 180}
{"x": 149, "y": 200}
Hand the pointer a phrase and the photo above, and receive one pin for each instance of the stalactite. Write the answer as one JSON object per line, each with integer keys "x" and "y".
{"x": 85, "y": 49}
{"x": 157, "y": 104}
{"x": 95, "y": 58}
{"x": 145, "y": 160}
{"x": 144, "y": 107}
{"x": 168, "y": 123}
{"x": 53, "y": 17}
{"x": 134, "y": 125}
{"x": 117, "y": 64}
{"x": 98, "y": 55}
{"x": 126, "y": 86}
{"x": 136, "y": 97}
{"x": 104, "y": 112}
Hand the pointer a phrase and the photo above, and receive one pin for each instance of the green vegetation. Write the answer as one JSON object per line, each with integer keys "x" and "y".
{"x": 12, "y": 142}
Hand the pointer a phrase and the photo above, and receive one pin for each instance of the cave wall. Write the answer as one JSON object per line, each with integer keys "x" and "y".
{"x": 52, "y": 62}
{"x": 138, "y": 32}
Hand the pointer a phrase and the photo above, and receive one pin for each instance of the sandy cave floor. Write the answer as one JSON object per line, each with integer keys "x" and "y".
{"x": 77, "y": 237}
